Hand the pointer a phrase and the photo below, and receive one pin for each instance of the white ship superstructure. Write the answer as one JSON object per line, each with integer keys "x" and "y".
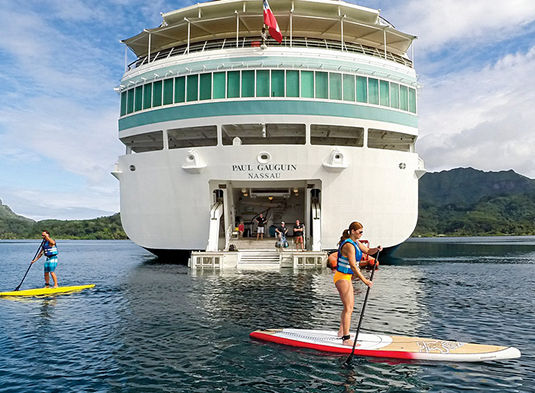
{"x": 219, "y": 127}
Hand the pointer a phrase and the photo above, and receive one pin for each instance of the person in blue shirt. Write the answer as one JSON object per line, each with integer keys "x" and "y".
{"x": 50, "y": 250}
{"x": 350, "y": 251}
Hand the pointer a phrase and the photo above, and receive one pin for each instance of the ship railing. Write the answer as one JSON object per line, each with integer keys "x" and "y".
{"x": 246, "y": 42}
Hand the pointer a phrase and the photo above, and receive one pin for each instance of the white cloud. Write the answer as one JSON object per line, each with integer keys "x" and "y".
{"x": 482, "y": 118}
{"x": 466, "y": 23}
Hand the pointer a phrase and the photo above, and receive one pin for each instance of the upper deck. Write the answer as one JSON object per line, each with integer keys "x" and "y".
{"x": 328, "y": 24}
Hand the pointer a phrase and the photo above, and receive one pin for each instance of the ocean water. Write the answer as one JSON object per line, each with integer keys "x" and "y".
{"x": 150, "y": 326}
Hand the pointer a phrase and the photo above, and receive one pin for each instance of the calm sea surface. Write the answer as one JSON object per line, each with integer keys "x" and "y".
{"x": 155, "y": 327}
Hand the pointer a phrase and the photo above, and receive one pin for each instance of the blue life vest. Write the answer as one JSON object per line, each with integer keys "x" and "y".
{"x": 50, "y": 251}
{"x": 342, "y": 263}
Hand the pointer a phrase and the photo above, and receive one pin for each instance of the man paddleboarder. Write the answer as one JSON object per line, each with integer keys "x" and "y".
{"x": 50, "y": 250}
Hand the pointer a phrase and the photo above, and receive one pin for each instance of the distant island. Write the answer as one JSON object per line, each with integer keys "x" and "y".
{"x": 457, "y": 202}
{"x": 13, "y": 226}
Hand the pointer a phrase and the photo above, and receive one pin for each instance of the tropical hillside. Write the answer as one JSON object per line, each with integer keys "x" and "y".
{"x": 469, "y": 202}
{"x": 13, "y": 226}
{"x": 458, "y": 202}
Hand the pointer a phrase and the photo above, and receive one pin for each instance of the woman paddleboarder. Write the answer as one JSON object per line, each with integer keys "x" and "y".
{"x": 51, "y": 252}
{"x": 350, "y": 251}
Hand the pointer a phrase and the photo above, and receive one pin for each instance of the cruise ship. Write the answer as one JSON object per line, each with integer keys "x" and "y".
{"x": 221, "y": 122}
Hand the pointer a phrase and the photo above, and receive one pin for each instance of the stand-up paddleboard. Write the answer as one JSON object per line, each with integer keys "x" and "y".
{"x": 47, "y": 291}
{"x": 394, "y": 347}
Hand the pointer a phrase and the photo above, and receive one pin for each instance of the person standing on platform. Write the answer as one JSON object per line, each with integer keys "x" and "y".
{"x": 50, "y": 250}
{"x": 298, "y": 236}
{"x": 261, "y": 222}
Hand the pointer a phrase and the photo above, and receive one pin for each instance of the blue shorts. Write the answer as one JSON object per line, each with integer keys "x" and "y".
{"x": 50, "y": 264}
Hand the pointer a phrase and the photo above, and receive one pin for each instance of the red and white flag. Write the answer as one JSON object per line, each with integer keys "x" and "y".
{"x": 271, "y": 23}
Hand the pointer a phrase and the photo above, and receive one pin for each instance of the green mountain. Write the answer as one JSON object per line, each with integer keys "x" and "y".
{"x": 13, "y": 226}
{"x": 458, "y": 202}
{"x": 469, "y": 202}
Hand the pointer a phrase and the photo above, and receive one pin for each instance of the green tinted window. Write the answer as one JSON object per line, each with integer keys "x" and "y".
{"x": 205, "y": 92}
{"x": 349, "y": 88}
{"x": 180, "y": 88}
{"x": 157, "y": 93}
{"x": 219, "y": 85}
{"x": 147, "y": 96}
{"x": 192, "y": 86}
{"x": 362, "y": 89}
{"x": 394, "y": 95}
{"x": 233, "y": 84}
{"x": 335, "y": 86}
{"x": 373, "y": 91}
{"x": 247, "y": 83}
{"x": 130, "y": 101}
{"x": 277, "y": 83}
{"x": 168, "y": 91}
{"x": 138, "y": 98}
{"x": 123, "y": 103}
{"x": 403, "y": 98}
{"x": 292, "y": 83}
{"x": 262, "y": 83}
{"x": 307, "y": 84}
{"x": 384, "y": 93}
{"x": 412, "y": 100}
{"x": 322, "y": 85}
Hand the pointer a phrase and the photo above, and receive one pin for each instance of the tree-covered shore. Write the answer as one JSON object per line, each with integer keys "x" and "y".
{"x": 458, "y": 202}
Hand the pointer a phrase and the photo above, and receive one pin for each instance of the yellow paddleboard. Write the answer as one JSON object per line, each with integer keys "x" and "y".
{"x": 47, "y": 291}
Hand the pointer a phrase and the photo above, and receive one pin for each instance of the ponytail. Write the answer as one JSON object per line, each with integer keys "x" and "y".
{"x": 345, "y": 235}
{"x": 354, "y": 226}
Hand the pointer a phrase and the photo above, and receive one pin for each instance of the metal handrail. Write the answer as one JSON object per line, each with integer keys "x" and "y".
{"x": 246, "y": 42}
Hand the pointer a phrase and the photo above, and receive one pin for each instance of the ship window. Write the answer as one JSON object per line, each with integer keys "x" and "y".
{"x": 130, "y": 101}
{"x": 192, "y": 137}
{"x": 394, "y": 95}
{"x": 362, "y": 89}
{"x": 349, "y": 87}
{"x": 192, "y": 86}
{"x": 180, "y": 86}
{"x": 384, "y": 92}
{"x": 307, "y": 84}
{"x": 292, "y": 83}
{"x": 147, "y": 96}
{"x": 412, "y": 100}
{"x": 233, "y": 84}
{"x": 157, "y": 93}
{"x": 322, "y": 85}
{"x": 277, "y": 83}
{"x": 403, "y": 98}
{"x": 332, "y": 135}
{"x": 335, "y": 86}
{"x": 205, "y": 86}
{"x": 390, "y": 140}
{"x": 138, "y": 98}
{"x": 219, "y": 85}
{"x": 168, "y": 91}
{"x": 373, "y": 91}
{"x": 247, "y": 84}
{"x": 264, "y": 134}
{"x": 123, "y": 103}
{"x": 142, "y": 143}
{"x": 262, "y": 83}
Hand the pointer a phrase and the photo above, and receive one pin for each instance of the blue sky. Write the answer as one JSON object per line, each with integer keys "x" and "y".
{"x": 61, "y": 59}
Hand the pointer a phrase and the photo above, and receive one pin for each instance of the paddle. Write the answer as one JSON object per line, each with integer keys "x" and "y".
{"x": 350, "y": 357}
{"x": 38, "y": 250}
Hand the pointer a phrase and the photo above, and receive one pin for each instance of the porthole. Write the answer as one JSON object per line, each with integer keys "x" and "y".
{"x": 402, "y": 165}
{"x": 132, "y": 168}
{"x": 264, "y": 157}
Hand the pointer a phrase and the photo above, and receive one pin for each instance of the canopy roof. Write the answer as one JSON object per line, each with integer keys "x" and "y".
{"x": 310, "y": 18}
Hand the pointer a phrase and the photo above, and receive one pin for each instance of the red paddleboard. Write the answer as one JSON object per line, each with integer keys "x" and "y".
{"x": 393, "y": 347}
